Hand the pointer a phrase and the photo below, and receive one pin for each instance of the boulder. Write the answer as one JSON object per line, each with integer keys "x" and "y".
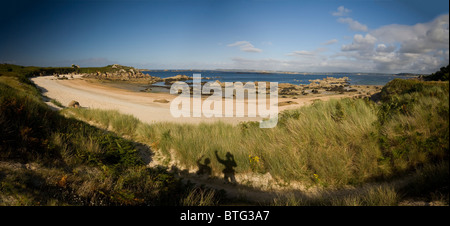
{"x": 328, "y": 82}
{"x": 74, "y": 104}
{"x": 164, "y": 101}
{"x": 285, "y": 103}
{"x": 173, "y": 79}
{"x": 337, "y": 88}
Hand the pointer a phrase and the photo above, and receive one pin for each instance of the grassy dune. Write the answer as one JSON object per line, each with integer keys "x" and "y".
{"x": 327, "y": 145}
{"x": 338, "y": 142}
{"x": 49, "y": 159}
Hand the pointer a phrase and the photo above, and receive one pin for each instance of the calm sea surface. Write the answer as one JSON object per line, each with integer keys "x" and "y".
{"x": 368, "y": 79}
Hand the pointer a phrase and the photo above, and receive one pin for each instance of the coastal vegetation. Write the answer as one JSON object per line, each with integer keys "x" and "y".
{"x": 29, "y": 71}
{"x": 392, "y": 149}
{"x": 342, "y": 142}
{"x": 48, "y": 159}
{"x": 441, "y": 75}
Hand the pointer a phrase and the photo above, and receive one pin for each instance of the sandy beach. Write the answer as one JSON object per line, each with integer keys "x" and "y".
{"x": 93, "y": 94}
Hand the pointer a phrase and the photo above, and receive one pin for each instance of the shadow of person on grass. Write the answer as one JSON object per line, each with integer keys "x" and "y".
{"x": 204, "y": 169}
{"x": 229, "y": 163}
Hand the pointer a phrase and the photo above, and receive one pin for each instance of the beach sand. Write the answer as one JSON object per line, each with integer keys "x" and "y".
{"x": 94, "y": 94}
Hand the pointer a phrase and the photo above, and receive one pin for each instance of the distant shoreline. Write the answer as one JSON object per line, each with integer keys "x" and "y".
{"x": 281, "y": 72}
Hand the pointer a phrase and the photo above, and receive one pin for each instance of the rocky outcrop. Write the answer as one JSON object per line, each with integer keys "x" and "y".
{"x": 288, "y": 89}
{"x": 316, "y": 86}
{"x": 328, "y": 82}
{"x": 173, "y": 79}
{"x": 122, "y": 73}
{"x": 74, "y": 104}
{"x": 337, "y": 89}
{"x": 285, "y": 103}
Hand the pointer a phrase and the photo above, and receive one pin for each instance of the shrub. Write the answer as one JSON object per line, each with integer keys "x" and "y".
{"x": 413, "y": 123}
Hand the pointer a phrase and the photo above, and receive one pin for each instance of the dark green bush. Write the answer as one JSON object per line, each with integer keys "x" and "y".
{"x": 441, "y": 75}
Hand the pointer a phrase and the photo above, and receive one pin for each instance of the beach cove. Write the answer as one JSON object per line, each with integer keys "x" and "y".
{"x": 152, "y": 107}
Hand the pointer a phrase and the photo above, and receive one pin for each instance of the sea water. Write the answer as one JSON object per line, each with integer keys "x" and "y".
{"x": 227, "y": 76}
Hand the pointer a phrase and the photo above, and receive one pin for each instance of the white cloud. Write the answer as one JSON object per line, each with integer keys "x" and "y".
{"x": 300, "y": 65}
{"x": 259, "y": 64}
{"x": 308, "y": 53}
{"x": 238, "y": 43}
{"x": 245, "y": 46}
{"x": 301, "y": 53}
{"x": 385, "y": 49}
{"x": 353, "y": 24}
{"x": 329, "y": 42}
{"x": 341, "y": 11}
{"x": 420, "y": 48}
{"x": 369, "y": 39}
{"x": 418, "y": 38}
{"x": 360, "y": 43}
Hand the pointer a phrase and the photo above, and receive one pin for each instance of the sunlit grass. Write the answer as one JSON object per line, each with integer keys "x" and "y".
{"x": 341, "y": 141}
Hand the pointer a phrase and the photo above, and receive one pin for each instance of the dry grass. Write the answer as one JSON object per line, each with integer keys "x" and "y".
{"x": 333, "y": 143}
{"x": 309, "y": 141}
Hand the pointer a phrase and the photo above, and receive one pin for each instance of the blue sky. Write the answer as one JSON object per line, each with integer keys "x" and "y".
{"x": 387, "y": 36}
